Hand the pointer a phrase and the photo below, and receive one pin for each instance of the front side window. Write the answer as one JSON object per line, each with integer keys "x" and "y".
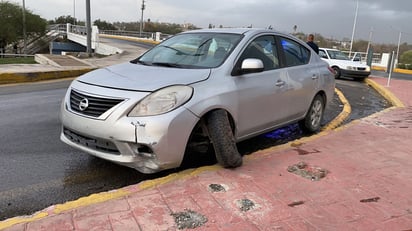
{"x": 192, "y": 50}
{"x": 295, "y": 53}
{"x": 263, "y": 48}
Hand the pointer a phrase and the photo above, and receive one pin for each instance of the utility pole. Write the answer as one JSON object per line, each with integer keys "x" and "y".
{"x": 24, "y": 28}
{"x": 89, "y": 29}
{"x": 399, "y": 44}
{"x": 141, "y": 19}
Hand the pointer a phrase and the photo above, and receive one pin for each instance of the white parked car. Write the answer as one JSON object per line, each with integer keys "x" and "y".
{"x": 196, "y": 93}
{"x": 343, "y": 66}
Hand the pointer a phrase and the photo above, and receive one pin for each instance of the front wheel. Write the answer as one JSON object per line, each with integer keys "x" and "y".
{"x": 312, "y": 121}
{"x": 337, "y": 72}
{"x": 223, "y": 140}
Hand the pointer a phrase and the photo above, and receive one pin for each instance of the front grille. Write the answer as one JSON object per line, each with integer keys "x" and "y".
{"x": 92, "y": 143}
{"x": 361, "y": 69}
{"x": 91, "y": 105}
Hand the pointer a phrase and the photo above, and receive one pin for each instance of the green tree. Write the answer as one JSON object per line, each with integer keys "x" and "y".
{"x": 66, "y": 19}
{"x": 406, "y": 57}
{"x": 11, "y": 18}
{"x": 103, "y": 25}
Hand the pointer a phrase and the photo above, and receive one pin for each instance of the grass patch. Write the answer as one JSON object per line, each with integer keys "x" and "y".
{"x": 18, "y": 60}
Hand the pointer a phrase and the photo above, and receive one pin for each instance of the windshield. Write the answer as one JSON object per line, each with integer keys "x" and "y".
{"x": 192, "y": 50}
{"x": 336, "y": 54}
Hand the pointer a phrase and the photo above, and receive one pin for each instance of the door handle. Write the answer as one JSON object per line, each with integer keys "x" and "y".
{"x": 280, "y": 83}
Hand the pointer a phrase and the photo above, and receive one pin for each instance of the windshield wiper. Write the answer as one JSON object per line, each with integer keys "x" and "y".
{"x": 179, "y": 52}
{"x": 166, "y": 64}
{"x": 136, "y": 61}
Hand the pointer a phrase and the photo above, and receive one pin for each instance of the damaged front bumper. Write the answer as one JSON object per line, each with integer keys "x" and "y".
{"x": 148, "y": 144}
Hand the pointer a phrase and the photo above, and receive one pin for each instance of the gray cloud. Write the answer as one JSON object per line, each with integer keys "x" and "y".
{"x": 331, "y": 18}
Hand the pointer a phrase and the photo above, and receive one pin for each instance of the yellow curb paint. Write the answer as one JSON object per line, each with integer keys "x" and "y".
{"x": 9, "y": 78}
{"x": 17, "y": 220}
{"x": 342, "y": 116}
{"x": 90, "y": 200}
{"x": 397, "y": 70}
{"x": 402, "y": 71}
{"x": 377, "y": 68}
{"x": 388, "y": 95}
{"x": 176, "y": 176}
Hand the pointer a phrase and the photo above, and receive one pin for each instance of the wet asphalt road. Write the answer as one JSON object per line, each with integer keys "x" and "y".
{"x": 37, "y": 170}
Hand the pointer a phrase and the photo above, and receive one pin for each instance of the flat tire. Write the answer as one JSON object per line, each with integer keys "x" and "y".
{"x": 223, "y": 140}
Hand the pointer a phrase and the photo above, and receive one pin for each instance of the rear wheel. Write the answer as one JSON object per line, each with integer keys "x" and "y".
{"x": 223, "y": 140}
{"x": 312, "y": 121}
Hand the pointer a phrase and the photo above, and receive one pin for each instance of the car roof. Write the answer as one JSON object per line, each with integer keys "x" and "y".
{"x": 232, "y": 30}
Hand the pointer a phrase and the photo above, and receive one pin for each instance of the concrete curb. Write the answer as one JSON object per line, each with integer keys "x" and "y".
{"x": 385, "y": 93}
{"x": 397, "y": 70}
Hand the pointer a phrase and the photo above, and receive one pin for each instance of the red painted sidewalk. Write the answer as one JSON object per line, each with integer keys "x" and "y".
{"x": 360, "y": 178}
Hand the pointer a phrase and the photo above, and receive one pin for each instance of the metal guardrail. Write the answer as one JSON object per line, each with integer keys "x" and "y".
{"x": 82, "y": 30}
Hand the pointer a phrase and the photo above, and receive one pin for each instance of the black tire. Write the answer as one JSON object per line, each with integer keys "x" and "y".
{"x": 313, "y": 119}
{"x": 221, "y": 136}
{"x": 337, "y": 72}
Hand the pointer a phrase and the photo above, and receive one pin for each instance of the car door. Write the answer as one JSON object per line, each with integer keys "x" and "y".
{"x": 261, "y": 95}
{"x": 302, "y": 74}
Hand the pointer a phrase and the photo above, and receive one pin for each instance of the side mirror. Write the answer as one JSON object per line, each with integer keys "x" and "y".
{"x": 356, "y": 59}
{"x": 251, "y": 66}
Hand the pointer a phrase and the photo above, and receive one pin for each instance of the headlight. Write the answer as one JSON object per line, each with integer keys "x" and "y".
{"x": 350, "y": 68}
{"x": 162, "y": 101}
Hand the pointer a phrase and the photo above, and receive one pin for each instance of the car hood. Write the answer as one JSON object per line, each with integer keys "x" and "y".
{"x": 344, "y": 63}
{"x": 137, "y": 77}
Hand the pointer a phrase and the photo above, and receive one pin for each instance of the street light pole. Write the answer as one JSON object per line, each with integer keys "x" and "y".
{"x": 141, "y": 19}
{"x": 24, "y": 28}
{"x": 354, "y": 27}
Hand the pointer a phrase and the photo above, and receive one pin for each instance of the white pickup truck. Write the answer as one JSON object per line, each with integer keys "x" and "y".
{"x": 344, "y": 66}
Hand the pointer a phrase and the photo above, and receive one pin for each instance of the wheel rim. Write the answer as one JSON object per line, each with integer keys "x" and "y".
{"x": 337, "y": 74}
{"x": 316, "y": 113}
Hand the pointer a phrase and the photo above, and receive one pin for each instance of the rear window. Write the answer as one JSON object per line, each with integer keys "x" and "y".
{"x": 295, "y": 53}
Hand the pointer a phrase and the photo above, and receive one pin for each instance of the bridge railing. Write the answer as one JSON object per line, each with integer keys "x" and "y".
{"x": 157, "y": 36}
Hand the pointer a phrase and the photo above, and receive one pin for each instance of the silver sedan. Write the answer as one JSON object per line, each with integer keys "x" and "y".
{"x": 196, "y": 93}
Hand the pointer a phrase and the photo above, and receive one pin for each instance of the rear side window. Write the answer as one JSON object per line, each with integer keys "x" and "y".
{"x": 295, "y": 53}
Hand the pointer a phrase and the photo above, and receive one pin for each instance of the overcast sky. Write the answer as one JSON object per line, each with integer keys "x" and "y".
{"x": 331, "y": 18}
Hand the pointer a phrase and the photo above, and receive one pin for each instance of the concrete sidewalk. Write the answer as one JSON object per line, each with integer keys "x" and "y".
{"x": 358, "y": 177}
